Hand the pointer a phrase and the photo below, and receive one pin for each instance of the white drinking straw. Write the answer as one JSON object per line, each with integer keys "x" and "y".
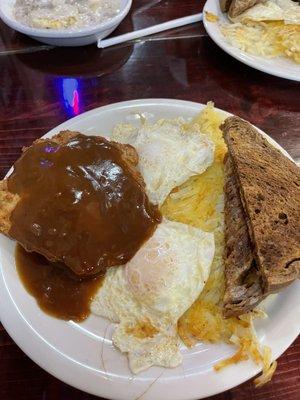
{"x": 175, "y": 23}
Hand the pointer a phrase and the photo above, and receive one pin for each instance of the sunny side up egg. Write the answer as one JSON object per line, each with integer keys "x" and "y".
{"x": 147, "y": 296}
{"x": 168, "y": 156}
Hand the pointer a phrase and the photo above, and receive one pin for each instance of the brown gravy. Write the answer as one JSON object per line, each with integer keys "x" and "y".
{"x": 80, "y": 204}
{"x": 58, "y": 291}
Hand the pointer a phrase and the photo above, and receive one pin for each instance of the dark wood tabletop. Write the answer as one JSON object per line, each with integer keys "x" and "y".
{"x": 37, "y": 93}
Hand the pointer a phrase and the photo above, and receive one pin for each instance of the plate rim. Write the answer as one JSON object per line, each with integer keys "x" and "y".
{"x": 235, "y": 52}
{"x": 55, "y": 357}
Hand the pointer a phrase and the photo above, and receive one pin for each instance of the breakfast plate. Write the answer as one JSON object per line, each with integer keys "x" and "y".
{"x": 279, "y": 66}
{"x": 82, "y": 354}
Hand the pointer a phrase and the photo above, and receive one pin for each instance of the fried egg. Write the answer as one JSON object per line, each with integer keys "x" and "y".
{"x": 168, "y": 156}
{"x": 147, "y": 296}
{"x": 272, "y": 10}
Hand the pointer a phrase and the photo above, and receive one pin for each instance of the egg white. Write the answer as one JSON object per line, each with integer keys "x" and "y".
{"x": 168, "y": 156}
{"x": 153, "y": 290}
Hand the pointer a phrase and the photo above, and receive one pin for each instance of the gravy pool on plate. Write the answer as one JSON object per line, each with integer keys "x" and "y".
{"x": 57, "y": 290}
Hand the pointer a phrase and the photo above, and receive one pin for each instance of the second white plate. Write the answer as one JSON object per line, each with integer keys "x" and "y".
{"x": 279, "y": 66}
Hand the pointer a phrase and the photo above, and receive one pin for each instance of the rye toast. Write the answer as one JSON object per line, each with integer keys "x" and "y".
{"x": 237, "y": 7}
{"x": 269, "y": 187}
{"x": 243, "y": 289}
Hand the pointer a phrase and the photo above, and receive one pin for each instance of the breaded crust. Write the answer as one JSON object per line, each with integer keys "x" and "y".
{"x": 8, "y": 200}
{"x": 243, "y": 289}
{"x": 269, "y": 186}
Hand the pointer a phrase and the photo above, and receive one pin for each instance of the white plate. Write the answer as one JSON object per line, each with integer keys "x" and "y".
{"x": 75, "y": 352}
{"x": 279, "y": 66}
{"x": 64, "y": 37}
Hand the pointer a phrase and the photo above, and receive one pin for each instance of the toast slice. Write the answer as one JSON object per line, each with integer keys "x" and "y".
{"x": 244, "y": 287}
{"x": 269, "y": 187}
{"x": 237, "y": 7}
{"x": 224, "y": 5}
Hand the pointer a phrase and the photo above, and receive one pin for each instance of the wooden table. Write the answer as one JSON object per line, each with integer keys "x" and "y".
{"x": 38, "y": 86}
